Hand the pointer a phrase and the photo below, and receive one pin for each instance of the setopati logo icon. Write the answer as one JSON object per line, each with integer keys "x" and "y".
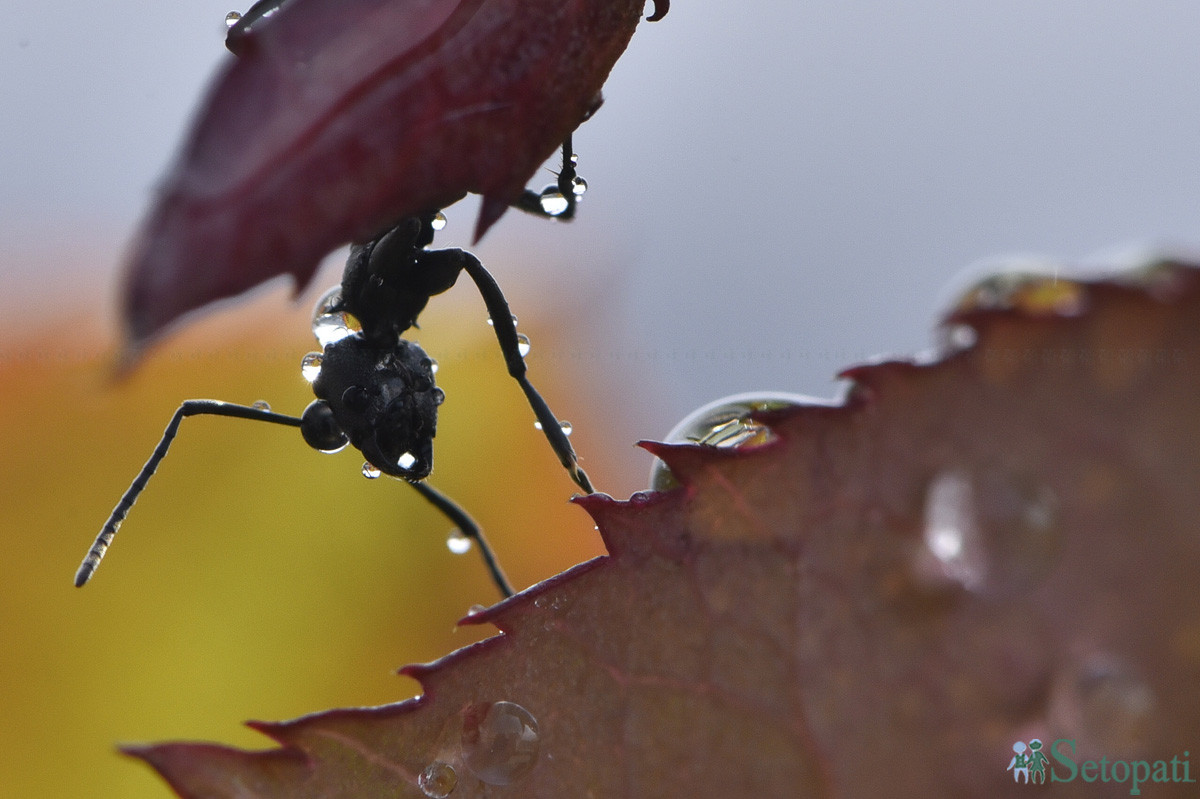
{"x": 1031, "y": 764}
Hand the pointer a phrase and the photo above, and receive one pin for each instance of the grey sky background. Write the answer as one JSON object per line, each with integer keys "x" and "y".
{"x": 778, "y": 188}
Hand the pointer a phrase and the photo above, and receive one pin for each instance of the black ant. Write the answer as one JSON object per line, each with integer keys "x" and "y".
{"x": 375, "y": 390}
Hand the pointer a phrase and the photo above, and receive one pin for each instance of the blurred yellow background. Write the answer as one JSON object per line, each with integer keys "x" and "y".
{"x": 255, "y": 578}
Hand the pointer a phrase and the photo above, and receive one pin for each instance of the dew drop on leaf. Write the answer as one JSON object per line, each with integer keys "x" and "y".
{"x": 438, "y": 780}
{"x": 725, "y": 422}
{"x": 1107, "y": 705}
{"x": 310, "y": 366}
{"x": 499, "y": 742}
{"x": 458, "y": 543}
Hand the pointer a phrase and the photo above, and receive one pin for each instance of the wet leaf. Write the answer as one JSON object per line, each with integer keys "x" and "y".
{"x": 340, "y": 118}
{"x": 994, "y": 547}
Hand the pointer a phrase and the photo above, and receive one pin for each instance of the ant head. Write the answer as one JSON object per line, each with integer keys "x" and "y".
{"x": 380, "y": 399}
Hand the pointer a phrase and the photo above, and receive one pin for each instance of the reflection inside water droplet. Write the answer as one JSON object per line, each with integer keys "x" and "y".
{"x": 726, "y": 422}
{"x": 553, "y": 202}
{"x": 438, "y": 780}
{"x": 329, "y": 323}
{"x": 310, "y": 366}
{"x": 369, "y": 471}
{"x": 499, "y": 742}
{"x": 458, "y": 543}
{"x": 951, "y": 534}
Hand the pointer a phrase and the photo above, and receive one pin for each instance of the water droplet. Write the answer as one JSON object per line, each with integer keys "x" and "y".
{"x": 406, "y": 460}
{"x": 1018, "y": 516}
{"x": 329, "y": 323}
{"x": 523, "y": 344}
{"x": 954, "y": 553}
{"x": 310, "y": 366}
{"x": 439, "y": 221}
{"x": 958, "y": 337}
{"x": 579, "y": 187}
{"x": 458, "y": 543}
{"x": 439, "y": 396}
{"x": 369, "y": 470}
{"x": 500, "y": 742}
{"x": 262, "y": 405}
{"x": 438, "y": 780}
{"x": 553, "y": 202}
{"x": 563, "y": 425}
{"x": 232, "y": 18}
{"x": 475, "y": 610}
{"x": 1032, "y": 287}
{"x": 1104, "y": 703}
{"x": 726, "y": 422}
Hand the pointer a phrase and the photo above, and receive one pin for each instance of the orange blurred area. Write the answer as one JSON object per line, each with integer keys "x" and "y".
{"x": 255, "y": 578}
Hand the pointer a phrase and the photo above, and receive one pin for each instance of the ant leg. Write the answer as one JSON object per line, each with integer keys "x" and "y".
{"x": 469, "y": 528}
{"x": 506, "y": 333}
{"x": 188, "y": 408}
{"x": 531, "y": 201}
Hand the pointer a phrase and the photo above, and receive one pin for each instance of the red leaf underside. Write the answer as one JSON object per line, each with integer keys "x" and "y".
{"x": 340, "y": 118}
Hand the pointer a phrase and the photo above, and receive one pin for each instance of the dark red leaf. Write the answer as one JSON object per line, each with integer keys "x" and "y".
{"x": 341, "y": 117}
{"x": 996, "y": 547}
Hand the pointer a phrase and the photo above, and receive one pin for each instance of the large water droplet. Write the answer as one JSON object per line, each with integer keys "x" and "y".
{"x": 954, "y": 554}
{"x": 523, "y": 344}
{"x": 438, "y": 780}
{"x": 1018, "y": 516}
{"x": 458, "y": 543}
{"x": 329, "y": 323}
{"x": 310, "y": 366}
{"x": 553, "y": 202}
{"x": 499, "y": 742}
{"x": 369, "y": 470}
{"x": 726, "y": 422}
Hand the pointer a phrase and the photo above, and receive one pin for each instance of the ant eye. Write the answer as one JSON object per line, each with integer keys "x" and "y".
{"x": 320, "y": 430}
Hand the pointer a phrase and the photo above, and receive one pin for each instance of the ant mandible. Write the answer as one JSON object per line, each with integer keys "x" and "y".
{"x": 375, "y": 389}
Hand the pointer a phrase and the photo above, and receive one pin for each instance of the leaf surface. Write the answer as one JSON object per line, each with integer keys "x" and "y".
{"x": 340, "y": 118}
{"x": 994, "y": 547}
